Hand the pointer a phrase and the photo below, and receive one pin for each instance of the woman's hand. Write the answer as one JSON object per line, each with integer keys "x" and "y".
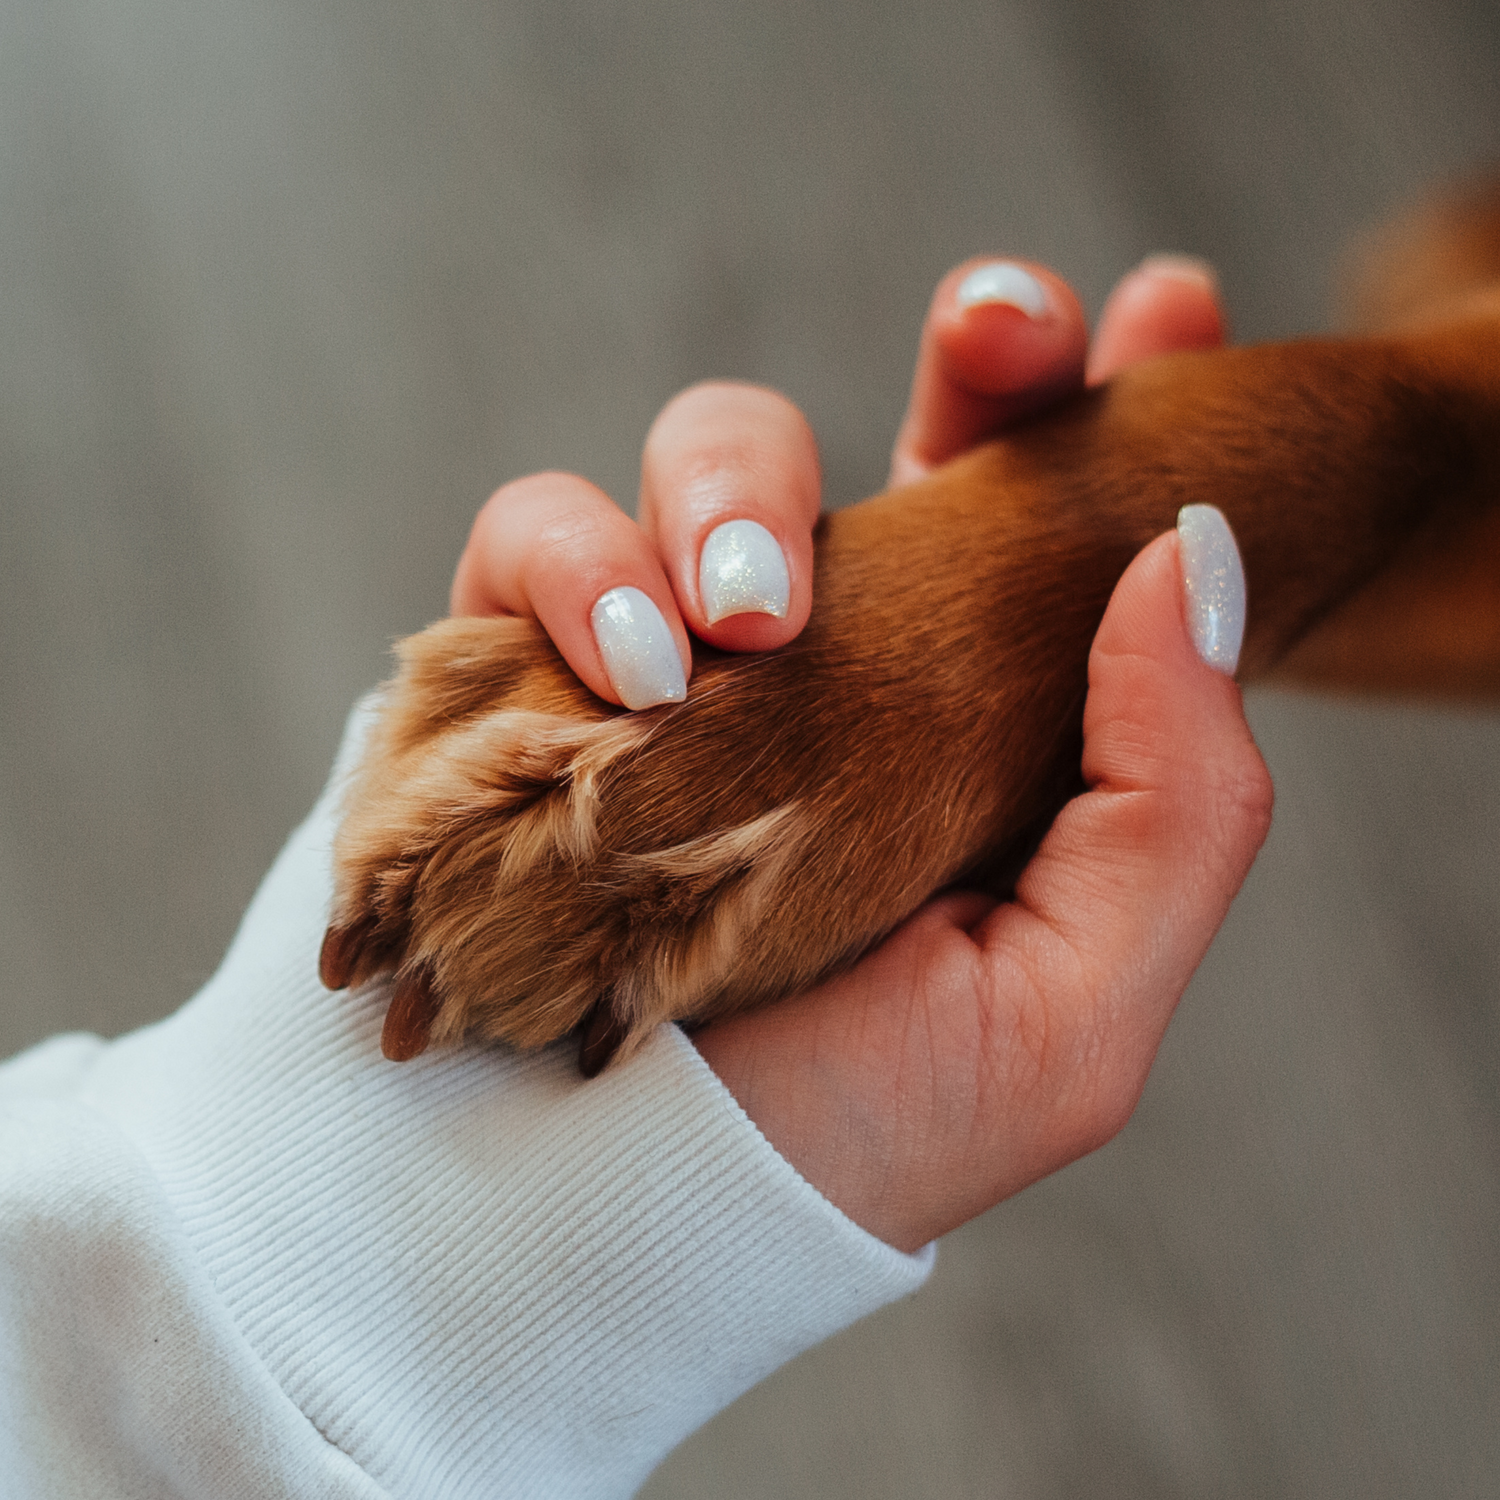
{"x": 1001, "y": 340}
{"x": 981, "y": 1046}
{"x": 984, "y": 1045}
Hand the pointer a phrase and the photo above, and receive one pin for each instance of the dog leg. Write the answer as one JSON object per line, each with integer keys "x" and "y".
{"x": 526, "y": 858}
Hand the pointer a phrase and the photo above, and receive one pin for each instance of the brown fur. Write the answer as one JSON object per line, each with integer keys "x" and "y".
{"x": 526, "y": 857}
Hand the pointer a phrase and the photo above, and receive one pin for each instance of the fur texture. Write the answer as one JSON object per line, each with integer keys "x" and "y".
{"x": 529, "y": 861}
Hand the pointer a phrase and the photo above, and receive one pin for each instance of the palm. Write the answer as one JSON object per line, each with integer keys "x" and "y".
{"x": 983, "y": 1046}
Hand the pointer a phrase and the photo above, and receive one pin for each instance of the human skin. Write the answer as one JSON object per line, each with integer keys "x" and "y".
{"x": 981, "y": 1046}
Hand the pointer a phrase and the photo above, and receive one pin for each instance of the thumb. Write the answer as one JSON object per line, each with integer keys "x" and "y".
{"x": 1132, "y": 881}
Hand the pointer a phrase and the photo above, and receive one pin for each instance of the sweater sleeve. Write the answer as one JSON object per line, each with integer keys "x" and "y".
{"x": 243, "y": 1254}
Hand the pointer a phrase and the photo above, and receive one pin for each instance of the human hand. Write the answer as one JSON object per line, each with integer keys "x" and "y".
{"x": 552, "y": 546}
{"x": 909, "y": 1091}
{"x": 984, "y": 1045}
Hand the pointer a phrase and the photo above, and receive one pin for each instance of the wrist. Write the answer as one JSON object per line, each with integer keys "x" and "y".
{"x": 473, "y": 1263}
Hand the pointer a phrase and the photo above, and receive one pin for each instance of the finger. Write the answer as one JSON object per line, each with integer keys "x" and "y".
{"x": 1128, "y": 888}
{"x": 1002, "y": 338}
{"x": 555, "y": 548}
{"x": 730, "y": 492}
{"x": 1168, "y": 304}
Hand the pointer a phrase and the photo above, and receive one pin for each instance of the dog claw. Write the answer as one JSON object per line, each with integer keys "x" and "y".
{"x": 603, "y": 1035}
{"x": 336, "y": 959}
{"x": 408, "y": 1021}
{"x": 340, "y": 955}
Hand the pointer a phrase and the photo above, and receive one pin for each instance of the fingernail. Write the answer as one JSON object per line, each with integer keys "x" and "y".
{"x": 1214, "y": 581}
{"x": 742, "y": 571}
{"x": 1191, "y": 268}
{"x": 1005, "y": 282}
{"x": 638, "y": 650}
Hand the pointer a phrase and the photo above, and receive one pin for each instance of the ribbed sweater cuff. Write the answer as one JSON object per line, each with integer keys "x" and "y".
{"x": 475, "y": 1273}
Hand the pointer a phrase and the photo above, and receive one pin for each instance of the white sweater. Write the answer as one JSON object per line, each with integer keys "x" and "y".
{"x": 243, "y": 1255}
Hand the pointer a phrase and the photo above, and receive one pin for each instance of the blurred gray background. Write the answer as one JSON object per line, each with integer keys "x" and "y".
{"x": 286, "y": 290}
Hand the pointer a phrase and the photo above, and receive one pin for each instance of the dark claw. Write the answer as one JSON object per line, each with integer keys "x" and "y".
{"x": 602, "y": 1036}
{"x": 408, "y": 1021}
{"x": 343, "y": 947}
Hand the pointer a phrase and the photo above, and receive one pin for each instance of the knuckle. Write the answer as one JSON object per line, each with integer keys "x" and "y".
{"x": 546, "y": 506}
{"x": 1246, "y": 798}
{"x": 1103, "y": 1083}
{"x": 720, "y": 450}
{"x": 1104, "y": 1109}
{"x": 1028, "y": 1042}
{"x": 1072, "y": 1065}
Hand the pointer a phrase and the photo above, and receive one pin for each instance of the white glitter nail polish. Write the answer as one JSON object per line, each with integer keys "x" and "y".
{"x": 1005, "y": 282}
{"x": 638, "y": 650}
{"x": 1214, "y": 581}
{"x": 742, "y": 571}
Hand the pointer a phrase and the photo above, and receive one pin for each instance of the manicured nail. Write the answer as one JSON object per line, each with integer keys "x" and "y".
{"x": 742, "y": 572}
{"x": 1005, "y": 282}
{"x": 1214, "y": 581}
{"x": 638, "y": 650}
{"x": 1191, "y": 268}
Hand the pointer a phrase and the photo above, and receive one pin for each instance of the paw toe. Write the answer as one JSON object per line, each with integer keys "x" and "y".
{"x": 408, "y": 1021}
{"x": 340, "y": 955}
{"x": 602, "y": 1036}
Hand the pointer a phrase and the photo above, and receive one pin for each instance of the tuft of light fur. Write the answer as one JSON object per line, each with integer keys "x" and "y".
{"x": 732, "y": 875}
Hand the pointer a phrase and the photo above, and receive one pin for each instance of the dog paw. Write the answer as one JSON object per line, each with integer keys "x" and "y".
{"x": 477, "y": 799}
{"x": 527, "y": 860}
